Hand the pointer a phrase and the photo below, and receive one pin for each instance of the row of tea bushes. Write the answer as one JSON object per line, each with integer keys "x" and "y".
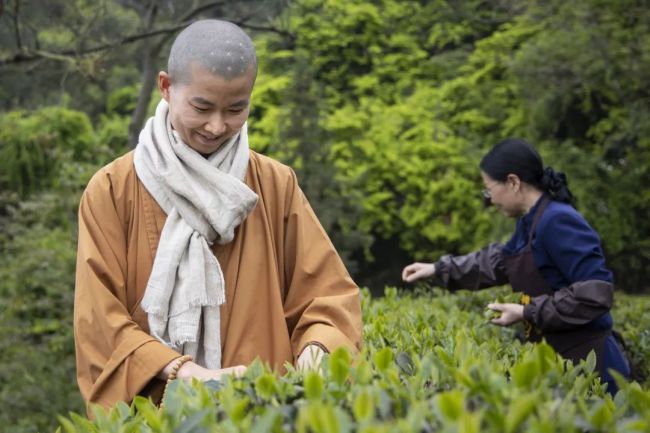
{"x": 430, "y": 363}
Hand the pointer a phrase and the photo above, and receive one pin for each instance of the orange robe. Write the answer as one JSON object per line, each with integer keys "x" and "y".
{"x": 285, "y": 284}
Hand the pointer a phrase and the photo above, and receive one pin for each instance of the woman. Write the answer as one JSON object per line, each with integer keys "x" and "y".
{"x": 554, "y": 258}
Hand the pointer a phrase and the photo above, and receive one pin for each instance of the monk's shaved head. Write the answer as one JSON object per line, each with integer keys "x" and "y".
{"x": 219, "y": 47}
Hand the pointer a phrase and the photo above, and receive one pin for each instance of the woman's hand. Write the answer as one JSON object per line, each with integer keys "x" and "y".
{"x": 510, "y": 313}
{"x": 416, "y": 271}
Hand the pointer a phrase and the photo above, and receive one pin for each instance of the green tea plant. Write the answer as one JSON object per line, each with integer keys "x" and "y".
{"x": 430, "y": 362}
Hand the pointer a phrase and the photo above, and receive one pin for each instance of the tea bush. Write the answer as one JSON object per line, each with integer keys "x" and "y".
{"x": 430, "y": 363}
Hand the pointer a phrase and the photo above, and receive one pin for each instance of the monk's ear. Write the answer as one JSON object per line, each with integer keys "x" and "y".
{"x": 164, "y": 85}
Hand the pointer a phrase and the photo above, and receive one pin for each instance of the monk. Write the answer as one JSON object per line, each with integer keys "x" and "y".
{"x": 196, "y": 254}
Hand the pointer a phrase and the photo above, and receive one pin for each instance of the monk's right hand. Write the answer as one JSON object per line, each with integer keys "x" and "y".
{"x": 191, "y": 370}
{"x": 416, "y": 271}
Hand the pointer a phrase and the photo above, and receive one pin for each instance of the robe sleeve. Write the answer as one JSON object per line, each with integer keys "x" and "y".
{"x": 115, "y": 358}
{"x": 321, "y": 302}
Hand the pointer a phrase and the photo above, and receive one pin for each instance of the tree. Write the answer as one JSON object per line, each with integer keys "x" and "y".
{"x": 85, "y": 39}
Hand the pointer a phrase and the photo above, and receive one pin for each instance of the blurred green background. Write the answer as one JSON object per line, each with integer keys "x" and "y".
{"x": 383, "y": 108}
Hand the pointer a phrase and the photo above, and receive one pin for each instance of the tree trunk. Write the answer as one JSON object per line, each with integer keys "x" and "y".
{"x": 149, "y": 79}
{"x": 150, "y": 54}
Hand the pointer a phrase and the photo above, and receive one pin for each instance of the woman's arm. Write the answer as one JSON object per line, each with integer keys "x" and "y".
{"x": 477, "y": 270}
{"x": 571, "y": 306}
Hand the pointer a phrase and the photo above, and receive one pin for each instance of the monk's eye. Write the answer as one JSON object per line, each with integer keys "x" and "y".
{"x": 199, "y": 109}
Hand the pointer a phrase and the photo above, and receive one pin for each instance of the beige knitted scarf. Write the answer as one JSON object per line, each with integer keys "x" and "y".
{"x": 205, "y": 200}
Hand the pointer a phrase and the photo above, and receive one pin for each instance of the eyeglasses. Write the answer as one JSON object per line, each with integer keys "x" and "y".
{"x": 487, "y": 195}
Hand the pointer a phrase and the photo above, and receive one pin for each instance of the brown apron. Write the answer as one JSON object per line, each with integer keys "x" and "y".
{"x": 523, "y": 275}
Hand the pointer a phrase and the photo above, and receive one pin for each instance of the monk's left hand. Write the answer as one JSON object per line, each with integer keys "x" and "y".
{"x": 510, "y": 313}
{"x": 310, "y": 358}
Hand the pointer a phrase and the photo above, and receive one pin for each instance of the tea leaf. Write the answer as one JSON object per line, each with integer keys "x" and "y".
{"x": 363, "y": 405}
{"x": 451, "y": 404}
{"x": 313, "y": 386}
{"x": 405, "y": 363}
{"x": 519, "y": 410}
{"x": 192, "y": 424}
{"x": 383, "y": 358}
{"x": 339, "y": 365}
{"x": 265, "y": 386}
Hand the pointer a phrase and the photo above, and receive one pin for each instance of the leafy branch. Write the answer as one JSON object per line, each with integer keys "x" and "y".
{"x": 26, "y": 55}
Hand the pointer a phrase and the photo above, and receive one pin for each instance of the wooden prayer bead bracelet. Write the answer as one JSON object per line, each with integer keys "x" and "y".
{"x": 172, "y": 375}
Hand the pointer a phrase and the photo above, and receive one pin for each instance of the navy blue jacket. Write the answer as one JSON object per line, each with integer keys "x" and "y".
{"x": 566, "y": 250}
{"x": 565, "y": 247}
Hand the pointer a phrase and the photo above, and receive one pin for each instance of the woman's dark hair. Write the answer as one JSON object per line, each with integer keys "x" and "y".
{"x": 516, "y": 156}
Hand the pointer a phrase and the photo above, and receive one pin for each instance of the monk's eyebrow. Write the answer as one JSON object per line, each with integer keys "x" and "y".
{"x": 200, "y": 101}
{"x": 240, "y": 103}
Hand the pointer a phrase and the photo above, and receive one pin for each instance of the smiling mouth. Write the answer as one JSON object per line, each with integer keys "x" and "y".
{"x": 208, "y": 139}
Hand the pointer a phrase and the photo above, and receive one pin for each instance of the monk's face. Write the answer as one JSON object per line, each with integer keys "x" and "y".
{"x": 208, "y": 110}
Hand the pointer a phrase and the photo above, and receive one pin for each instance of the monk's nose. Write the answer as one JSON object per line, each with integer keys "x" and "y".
{"x": 216, "y": 126}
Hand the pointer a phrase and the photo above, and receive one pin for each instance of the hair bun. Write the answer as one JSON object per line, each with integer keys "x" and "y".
{"x": 553, "y": 182}
{"x": 516, "y": 156}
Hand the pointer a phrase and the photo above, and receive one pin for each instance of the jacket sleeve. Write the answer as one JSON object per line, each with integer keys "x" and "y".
{"x": 115, "y": 358}
{"x": 571, "y": 306}
{"x": 477, "y": 270}
{"x": 321, "y": 302}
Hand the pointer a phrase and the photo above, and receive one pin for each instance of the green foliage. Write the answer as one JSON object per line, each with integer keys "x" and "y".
{"x": 37, "y": 252}
{"x": 430, "y": 363}
{"x": 410, "y": 175}
{"x": 396, "y": 102}
{"x": 33, "y": 146}
{"x": 383, "y": 108}
{"x": 63, "y": 26}
{"x": 586, "y": 106}
{"x": 290, "y": 129}
{"x": 122, "y": 101}
{"x": 113, "y": 132}
{"x": 359, "y": 121}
